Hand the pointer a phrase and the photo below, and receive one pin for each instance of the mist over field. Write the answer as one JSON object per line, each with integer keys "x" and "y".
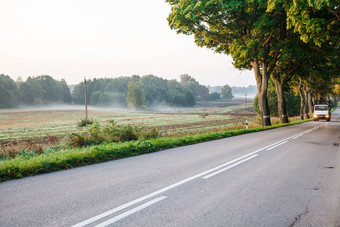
{"x": 136, "y": 93}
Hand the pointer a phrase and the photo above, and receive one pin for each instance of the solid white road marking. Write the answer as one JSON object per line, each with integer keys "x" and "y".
{"x": 308, "y": 131}
{"x": 276, "y": 145}
{"x": 132, "y": 211}
{"x": 124, "y": 206}
{"x": 229, "y": 167}
{"x": 297, "y": 136}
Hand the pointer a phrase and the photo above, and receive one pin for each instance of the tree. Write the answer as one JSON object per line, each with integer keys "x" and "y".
{"x": 178, "y": 95}
{"x": 226, "y": 92}
{"x": 78, "y": 93}
{"x": 44, "y": 90}
{"x": 292, "y": 56}
{"x": 65, "y": 91}
{"x": 201, "y": 92}
{"x": 31, "y": 92}
{"x": 135, "y": 95}
{"x": 242, "y": 29}
{"x": 215, "y": 96}
{"x": 314, "y": 20}
{"x": 119, "y": 85}
{"x": 154, "y": 87}
{"x": 190, "y": 84}
{"x": 8, "y": 92}
{"x": 293, "y": 102}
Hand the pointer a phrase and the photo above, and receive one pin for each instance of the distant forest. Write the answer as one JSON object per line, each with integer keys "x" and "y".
{"x": 250, "y": 90}
{"x": 133, "y": 92}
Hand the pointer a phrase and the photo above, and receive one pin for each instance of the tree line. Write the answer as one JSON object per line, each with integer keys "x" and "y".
{"x": 34, "y": 91}
{"x": 250, "y": 90}
{"x": 133, "y": 92}
{"x": 291, "y": 45}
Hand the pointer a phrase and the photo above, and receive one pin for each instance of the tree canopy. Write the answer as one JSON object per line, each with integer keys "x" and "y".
{"x": 243, "y": 29}
{"x": 263, "y": 35}
{"x": 315, "y": 20}
{"x": 226, "y": 92}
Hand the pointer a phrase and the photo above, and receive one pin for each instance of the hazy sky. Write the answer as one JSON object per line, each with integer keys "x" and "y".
{"x": 71, "y": 39}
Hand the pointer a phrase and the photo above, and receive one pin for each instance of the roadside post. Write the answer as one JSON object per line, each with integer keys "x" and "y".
{"x": 246, "y": 124}
{"x": 85, "y": 100}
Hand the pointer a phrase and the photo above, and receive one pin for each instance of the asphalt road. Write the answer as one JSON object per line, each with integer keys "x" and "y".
{"x": 283, "y": 177}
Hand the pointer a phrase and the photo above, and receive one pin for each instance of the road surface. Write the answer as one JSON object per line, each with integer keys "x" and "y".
{"x": 283, "y": 177}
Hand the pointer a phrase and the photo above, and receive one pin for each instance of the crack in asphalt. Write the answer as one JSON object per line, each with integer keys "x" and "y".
{"x": 298, "y": 217}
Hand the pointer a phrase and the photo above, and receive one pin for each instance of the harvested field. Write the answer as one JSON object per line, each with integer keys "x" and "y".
{"x": 36, "y": 129}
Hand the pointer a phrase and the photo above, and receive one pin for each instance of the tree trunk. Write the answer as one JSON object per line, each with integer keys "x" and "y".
{"x": 310, "y": 103}
{"x": 281, "y": 102}
{"x": 262, "y": 86}
{"x": 302, "y": 103}
{"x": 315, "y": 98}
{"x": 305, "y": 110}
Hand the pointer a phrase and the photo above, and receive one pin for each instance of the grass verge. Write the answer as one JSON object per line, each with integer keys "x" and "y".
{"x": 55, "y": 159}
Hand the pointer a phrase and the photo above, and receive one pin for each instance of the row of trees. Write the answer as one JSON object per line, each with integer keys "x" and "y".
{"x": 34, "y": 91}
{"x": 295, "y": 44}
{"x": 250, "y": 90}
{"x": 134, "y": 92}
{"x": 147, "y": 91}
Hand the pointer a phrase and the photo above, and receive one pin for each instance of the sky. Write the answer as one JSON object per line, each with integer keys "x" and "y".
{"x": 73, "y": 39}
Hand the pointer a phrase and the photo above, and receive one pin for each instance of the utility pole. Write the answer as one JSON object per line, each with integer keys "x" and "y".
{"x": 245, "y": 102}
{"x": 85, "y": 99}
{"x": 205, "y": 101}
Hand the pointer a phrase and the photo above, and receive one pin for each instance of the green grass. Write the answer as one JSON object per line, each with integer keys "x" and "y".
{"x": 58, "y": 159}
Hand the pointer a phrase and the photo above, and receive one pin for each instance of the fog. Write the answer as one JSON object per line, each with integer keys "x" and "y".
{"x": 156, "y": 107}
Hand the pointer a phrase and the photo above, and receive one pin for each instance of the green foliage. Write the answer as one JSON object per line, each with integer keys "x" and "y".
{"x": 314, "y": 20}
{"x": 111, "y": 133}
{"x": 67, "y": 158}
{"x": 34, "y": 91}
{"x": 101, "y": 92}
{"x": 215, "y": 96}
{"x": 44, "y": 90}
{"x": 129, "y": 91}
{"x": 136, "y": 95}
{"x": 177, "y": 95}
{"x": 84, "y": 123}
{"x": 242, "y": 29}
{"x": 103, "y": 98}
{"x": 8, "y": 92}
{"x": 152, "y": 133}
{"x": 226, "y": 92}
{"x": 190, "y": 84}
{"x": 155, "y": 89}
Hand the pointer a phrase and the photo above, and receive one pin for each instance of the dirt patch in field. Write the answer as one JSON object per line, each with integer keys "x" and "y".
{"x": 12, "y": 148}
{"x": 30, "y": 141}
{"x": 233, "y": 122}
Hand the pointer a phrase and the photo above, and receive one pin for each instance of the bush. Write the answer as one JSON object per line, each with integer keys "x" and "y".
{"x": 84, "y": 123}
{"x": 128, "y": 133}
{"x": 152, "y": 133}
{"x": 95, "y": 135}
{"x": 76, "y": 140}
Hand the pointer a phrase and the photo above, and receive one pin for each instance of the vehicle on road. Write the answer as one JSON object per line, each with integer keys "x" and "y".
{"x": 321, "y": 112}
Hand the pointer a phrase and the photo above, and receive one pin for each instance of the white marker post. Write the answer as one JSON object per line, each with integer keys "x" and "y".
{"x": 246, "y": 124}
{"x": 85, "y": 100}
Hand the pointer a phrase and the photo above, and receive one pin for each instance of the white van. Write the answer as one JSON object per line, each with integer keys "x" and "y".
{"x": 321, "y": 112}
